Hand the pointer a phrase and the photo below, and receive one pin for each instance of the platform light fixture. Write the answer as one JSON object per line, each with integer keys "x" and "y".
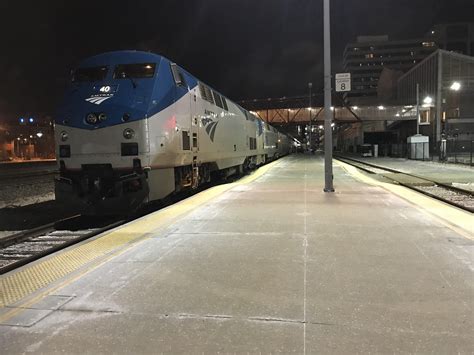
{"x": 428, "y": 100}
{"x": 381, "y": 107}
{"x": 355, "y": 108}
{"x": 455, "y": 86}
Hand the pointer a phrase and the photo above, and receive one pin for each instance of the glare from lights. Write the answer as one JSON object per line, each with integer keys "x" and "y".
{"x": 381, "y": 107}
{"x": 39, "y": 134}
{"x": 428, "y": 100}
{"x": 456, "y": 86}
{"x": 333, "y": 124}
{"x": 321, "y": 127}
{"x": 31, "y": 120}
{"x": 355, "y": 107}
{"x": 332, "y": 108}
{"x": 397, "y": 115}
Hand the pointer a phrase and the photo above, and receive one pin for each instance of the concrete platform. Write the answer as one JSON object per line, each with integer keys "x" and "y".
{"x": 266, "y": 265}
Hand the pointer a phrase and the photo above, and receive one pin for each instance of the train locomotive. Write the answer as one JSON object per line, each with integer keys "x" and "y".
{"x": 134, "y": 127}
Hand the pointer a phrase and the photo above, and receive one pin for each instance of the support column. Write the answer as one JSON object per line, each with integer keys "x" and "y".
{"x": 328, "y": 174}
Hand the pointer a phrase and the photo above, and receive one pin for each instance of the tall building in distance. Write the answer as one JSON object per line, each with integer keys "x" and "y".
{"x": 372, "y": 58}
{"x": 367, "y": 58}
{"x": 454, "y": 37}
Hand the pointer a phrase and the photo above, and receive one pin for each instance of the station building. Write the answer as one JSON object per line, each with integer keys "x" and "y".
{"x": 446, "y": 105}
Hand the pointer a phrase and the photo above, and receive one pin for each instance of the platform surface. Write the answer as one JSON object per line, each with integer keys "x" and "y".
{"x": 272, "y": 265}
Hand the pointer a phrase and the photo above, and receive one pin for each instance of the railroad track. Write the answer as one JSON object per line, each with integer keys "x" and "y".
{"x": 452, "y": 195}
{"x": 25, "y": 247}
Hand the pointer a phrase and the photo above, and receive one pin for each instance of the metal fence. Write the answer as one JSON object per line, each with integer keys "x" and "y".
{"x": 448, "y": 151}
{"x": 457, "y": 151}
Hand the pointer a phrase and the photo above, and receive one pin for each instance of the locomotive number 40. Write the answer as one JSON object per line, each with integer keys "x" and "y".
{"x": 104, "y": 89}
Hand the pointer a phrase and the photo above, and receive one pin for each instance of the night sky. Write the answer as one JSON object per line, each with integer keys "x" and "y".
{"x": 245, "y": 49}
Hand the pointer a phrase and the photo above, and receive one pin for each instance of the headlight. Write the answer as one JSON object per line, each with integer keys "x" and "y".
{"x": 91, "y": 118}
{"x": 64, "y": 136}
{"x": 128, "y": 133}
{"x": 102, "y": 116}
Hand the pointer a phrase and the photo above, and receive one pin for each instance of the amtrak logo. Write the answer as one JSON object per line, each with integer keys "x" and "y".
{"x": 98, "y": 99}
{"x": 210, "y": 127}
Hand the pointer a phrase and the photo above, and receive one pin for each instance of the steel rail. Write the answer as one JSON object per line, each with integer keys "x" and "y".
{"x": 30, "y": 236}
{"x": 356, "y": 163}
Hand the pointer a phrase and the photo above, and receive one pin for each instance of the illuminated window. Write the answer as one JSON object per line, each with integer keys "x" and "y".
{"x": 139, "y": 70}
{"x": 425, "y": 117}
{"x": 428, "y": 44}
{"x": 369, "y": 55}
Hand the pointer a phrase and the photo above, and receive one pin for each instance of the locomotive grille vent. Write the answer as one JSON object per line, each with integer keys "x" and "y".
{"x": 206, "y": 93}
{"x": 218, "y": 99}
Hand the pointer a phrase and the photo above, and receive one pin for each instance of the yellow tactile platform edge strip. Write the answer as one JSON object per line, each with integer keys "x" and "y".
{"x": 452, "y": 217}
{"x": 16, "y": 285}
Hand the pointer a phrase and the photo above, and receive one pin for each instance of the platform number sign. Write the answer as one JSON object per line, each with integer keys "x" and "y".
{"x": 343, "y": 82}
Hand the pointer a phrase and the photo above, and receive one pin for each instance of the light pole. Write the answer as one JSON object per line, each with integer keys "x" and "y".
{"x": 328, "y": 176}
{"x": 310, "y": 85}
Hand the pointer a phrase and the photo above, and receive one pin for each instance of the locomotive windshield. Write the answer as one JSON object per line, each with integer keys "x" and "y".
{"x": 139, "y": 70}
{"x": 89, "y": 74}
